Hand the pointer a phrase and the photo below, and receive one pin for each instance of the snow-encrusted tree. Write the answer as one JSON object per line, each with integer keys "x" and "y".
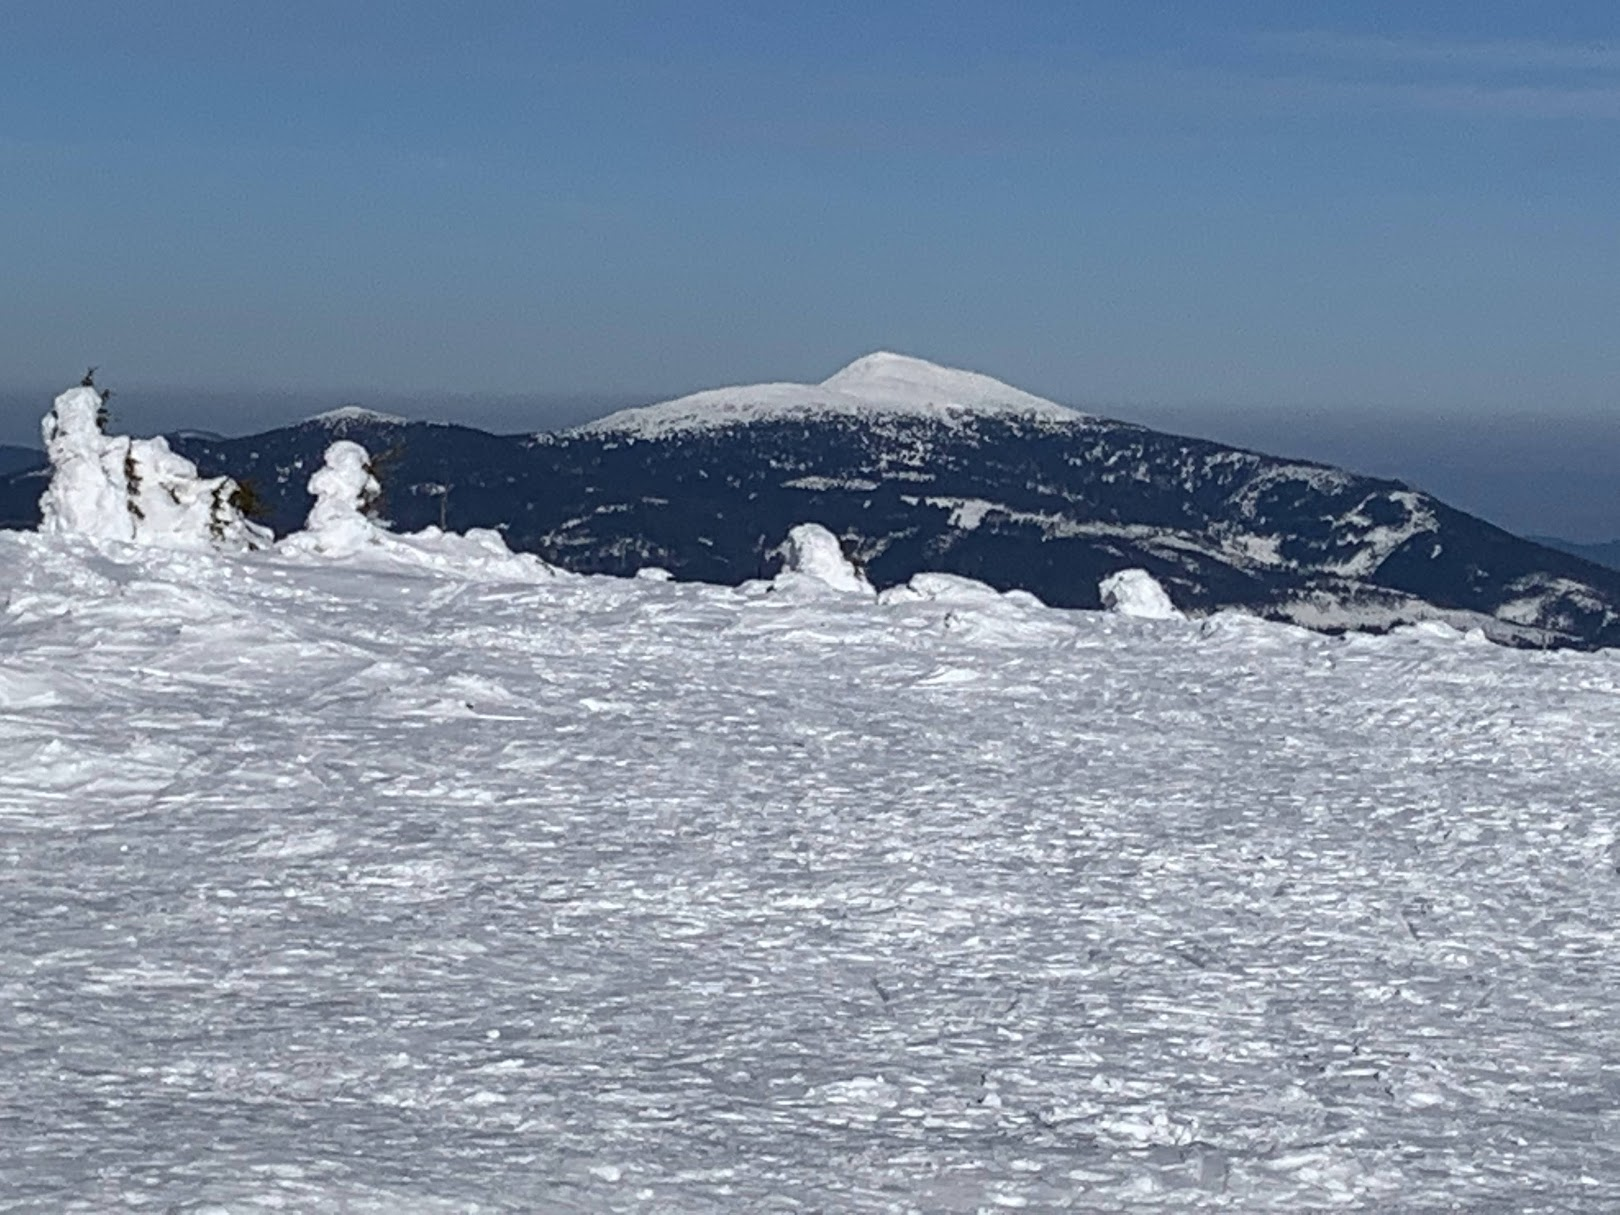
{"x": 345, "y": 491}
{"x": 113, "y": 487}
{"x": 342, "y": 524}
{"x": 812, "y": 554}
{"x": 1135, "y": 592}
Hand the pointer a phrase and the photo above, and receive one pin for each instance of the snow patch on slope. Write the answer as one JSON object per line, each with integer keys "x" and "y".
{"x": 1377, "y": 541}
{"x": 877, "y": 385}
{"x": 1363, "y": 609}
{"x": 1552, "y": 603}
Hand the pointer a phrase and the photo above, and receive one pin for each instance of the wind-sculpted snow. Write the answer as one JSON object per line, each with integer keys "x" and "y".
{"x": 343, "y": 888}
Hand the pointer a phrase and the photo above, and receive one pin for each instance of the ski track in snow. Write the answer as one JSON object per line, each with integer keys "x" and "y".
{"x": 344, "y": 889}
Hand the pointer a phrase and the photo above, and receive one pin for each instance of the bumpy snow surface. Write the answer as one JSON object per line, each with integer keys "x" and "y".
{"x": 875, "y": 385}
{"x": 344, "y": 887}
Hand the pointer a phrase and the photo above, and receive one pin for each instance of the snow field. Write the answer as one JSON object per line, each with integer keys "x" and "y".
{"x": 404, "y": 883}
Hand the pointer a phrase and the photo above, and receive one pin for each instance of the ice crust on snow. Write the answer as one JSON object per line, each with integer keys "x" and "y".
{"x": 112, "y": 487}
{"x": 882, "y": 384}
{"x": 401, "y": 881}
{"x": 1137, "y": 593}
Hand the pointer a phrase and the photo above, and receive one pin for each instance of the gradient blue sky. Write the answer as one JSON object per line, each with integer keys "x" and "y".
{"x": 1327, "y": 207}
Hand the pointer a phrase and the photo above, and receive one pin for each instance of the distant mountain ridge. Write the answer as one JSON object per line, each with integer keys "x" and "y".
{"x": 1607, "y": 553}
{"x": 20, "y": 485}
{"x": 876, "y": 386}
{"x": 15, "y": 459}
{"x": 919, "y": 467}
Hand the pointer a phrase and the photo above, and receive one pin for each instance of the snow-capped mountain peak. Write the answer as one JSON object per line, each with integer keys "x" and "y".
{"x": 355, "y": 415}
{"x": 893, "y": 379}
{"x": 875, "y": 385}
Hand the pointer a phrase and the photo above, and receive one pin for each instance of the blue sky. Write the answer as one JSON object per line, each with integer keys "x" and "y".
{"x": 1408, "y": 207}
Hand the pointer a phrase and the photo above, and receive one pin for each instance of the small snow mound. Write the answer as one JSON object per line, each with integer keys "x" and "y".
{"x": 113, "y": 487}
{"x": 1137, "y": 593}
{"x": 1430, "y": 630}
{"x": 480, "y": 555}
{"x": 654, "y": 573}
{"x": 954, "y": 589}
{"x": 812, "y": 553}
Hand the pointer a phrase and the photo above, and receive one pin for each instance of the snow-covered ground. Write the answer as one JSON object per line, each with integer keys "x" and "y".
{"x": 382, "y": 884}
